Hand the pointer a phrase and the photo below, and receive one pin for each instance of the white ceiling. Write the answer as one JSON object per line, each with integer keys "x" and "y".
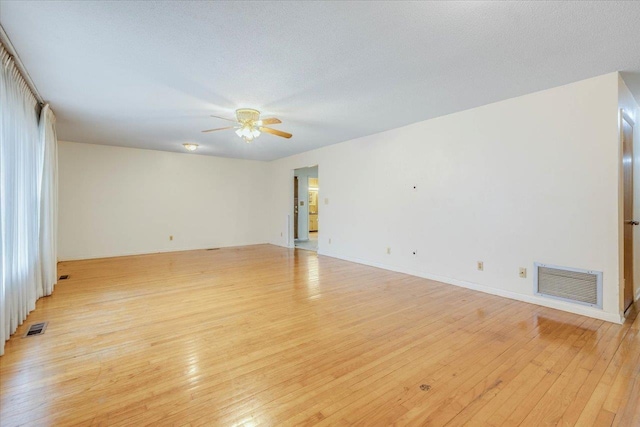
{"x": 148, "y": 74}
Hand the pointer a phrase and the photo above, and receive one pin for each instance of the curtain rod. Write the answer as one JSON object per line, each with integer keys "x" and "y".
{"x": 4, "y": 39}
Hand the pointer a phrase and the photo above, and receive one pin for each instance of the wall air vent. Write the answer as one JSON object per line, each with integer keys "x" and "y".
{"x": 568, "y": 284}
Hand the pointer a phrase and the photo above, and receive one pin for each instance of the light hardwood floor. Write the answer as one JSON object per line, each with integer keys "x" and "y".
{"x": 262, "y": 335}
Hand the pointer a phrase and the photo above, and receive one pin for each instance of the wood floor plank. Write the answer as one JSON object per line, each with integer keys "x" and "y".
{"x": 429, "y": 351}
{"x": 493, "y": 385}
{"x": 261, "y": 335}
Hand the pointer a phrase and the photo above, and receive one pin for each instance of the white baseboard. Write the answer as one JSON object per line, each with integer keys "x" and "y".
{"x": 532, "y": 299}
{"x": 281, "y": 244}
{"x": 123, "y": 254}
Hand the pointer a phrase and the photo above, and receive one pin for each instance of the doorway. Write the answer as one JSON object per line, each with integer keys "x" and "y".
{"x": 629, "y": 221}
{"x": 306, "y": 213}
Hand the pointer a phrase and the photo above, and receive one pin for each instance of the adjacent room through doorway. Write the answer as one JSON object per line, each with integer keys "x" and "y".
{"x": 306, "y": 208}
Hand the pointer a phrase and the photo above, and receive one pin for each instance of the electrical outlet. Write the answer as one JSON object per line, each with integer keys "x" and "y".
{"x": 329, "y": 240}
{"x": 522, "y": 273}
{"x": 326, "y": 200}
{"x": 170, "y": 237}
{"x": 480, "y": 266}
{"x": 281, "y": 234}
{"x": 388, "y": 251}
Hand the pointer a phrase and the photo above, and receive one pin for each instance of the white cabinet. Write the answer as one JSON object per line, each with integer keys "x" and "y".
{"x": 313, "y": 222}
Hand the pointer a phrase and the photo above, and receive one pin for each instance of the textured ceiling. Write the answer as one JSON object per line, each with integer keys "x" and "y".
{"x": 148, "y": 74}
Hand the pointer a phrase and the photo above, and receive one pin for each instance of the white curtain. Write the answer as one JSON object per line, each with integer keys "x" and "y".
{"x": 48, "y": 202}
{"x": 26, "y": 181}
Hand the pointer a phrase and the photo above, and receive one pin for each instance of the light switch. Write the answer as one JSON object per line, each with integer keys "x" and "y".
{"x": 326, "y": 200}
{"x": 301, "y": 202}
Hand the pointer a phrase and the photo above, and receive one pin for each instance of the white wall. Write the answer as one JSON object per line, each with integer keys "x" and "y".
{"x": 534, "y": 178}
{"x": 121, "y": 201}
{"x": 628, "y": 104}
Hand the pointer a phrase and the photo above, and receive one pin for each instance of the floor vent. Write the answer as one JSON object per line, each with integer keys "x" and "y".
{"x": 36, "y": 329}
{"x": 568, "y": 284}
{"x": 63, "y": 277}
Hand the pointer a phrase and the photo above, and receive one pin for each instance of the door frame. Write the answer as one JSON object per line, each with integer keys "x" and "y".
{"x": 625, "y": 117}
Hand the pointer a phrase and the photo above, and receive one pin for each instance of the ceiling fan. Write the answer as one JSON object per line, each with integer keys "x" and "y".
{"x": 249, "y": 125}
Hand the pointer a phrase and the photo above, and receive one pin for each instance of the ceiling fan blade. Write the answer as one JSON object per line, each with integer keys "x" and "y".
{"x": 213, "y": 130}
{"x": 269, "y": 121}
{"x": 276, "y": 132}
{"x": 224, "y": 118}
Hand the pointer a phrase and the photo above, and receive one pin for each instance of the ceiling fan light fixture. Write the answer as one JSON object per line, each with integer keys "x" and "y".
{"x": 250, "y": 126}
{"x": 190, "y": 146}
{"x": 246, "y": 132}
